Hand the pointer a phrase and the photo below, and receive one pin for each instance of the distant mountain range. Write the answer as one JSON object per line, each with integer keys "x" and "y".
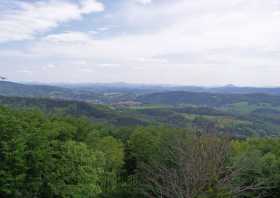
{"x": 144, "y": 88}
{"x": 239, "y": 90}
{"x": 116, "y": 92}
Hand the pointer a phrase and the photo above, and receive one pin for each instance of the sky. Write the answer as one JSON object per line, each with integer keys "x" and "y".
{"x": 186, "y": 42}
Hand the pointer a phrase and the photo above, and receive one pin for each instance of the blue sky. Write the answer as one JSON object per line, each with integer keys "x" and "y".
{"x": 191, "y": 42}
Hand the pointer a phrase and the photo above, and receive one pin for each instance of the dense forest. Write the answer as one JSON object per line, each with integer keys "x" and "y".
{"x": 166, "y": 145}
{"x": 63, "y": 156}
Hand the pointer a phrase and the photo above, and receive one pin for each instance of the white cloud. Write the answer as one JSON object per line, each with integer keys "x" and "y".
{"x": 151, "y": 60}
{"x": 89, "y": 6}
{"x": 109, "y": 65}
{"x": 87, "y": 70}
{"x": 103, "y": 29}
{"x": 143, "y": 1}
{"x": 68, "y": 37}
{"x": 29, "y": 19}
{"x": 25, "y": 72}
{"x": 49, "y": 67}
{"x": 188, "y": 41}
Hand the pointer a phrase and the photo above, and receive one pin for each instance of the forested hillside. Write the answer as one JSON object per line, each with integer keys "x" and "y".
{"x": 239, "y": 120}
{"x": 139, "y": 145}
{"x": 43, "y": 91}
{"x": 17, "y": 89}
{"x": 64, "y": 156}
{"x": 208, "y": 99}
{"x": 100, "y": 113}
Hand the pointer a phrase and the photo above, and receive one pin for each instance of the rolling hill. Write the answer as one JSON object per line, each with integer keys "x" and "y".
{"x": 207, "y": 99}
{"x": 17, "y": 89}
{"x": 97, "y": 113}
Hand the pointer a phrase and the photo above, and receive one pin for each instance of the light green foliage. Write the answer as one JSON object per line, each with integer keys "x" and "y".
{"x": 113, "y": 151}
{"x": 257, "y": 164}
{"x": 78, "y": 171}
{"x": 44, "y": 157}
{"x": 12, "y": 162}
{"x": 144, "y": 143}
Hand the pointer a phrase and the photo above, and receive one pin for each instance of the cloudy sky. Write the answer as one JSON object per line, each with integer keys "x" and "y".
{"x": 191, "y": 42}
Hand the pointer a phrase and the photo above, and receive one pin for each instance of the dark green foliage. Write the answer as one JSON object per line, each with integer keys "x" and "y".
{"x": 207, "y": 99}
{"x": 16, "y": 89}
{"x": 259, "y": 122}
{"x": 99, "y": 113}
{"x": 44, "y": 91}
